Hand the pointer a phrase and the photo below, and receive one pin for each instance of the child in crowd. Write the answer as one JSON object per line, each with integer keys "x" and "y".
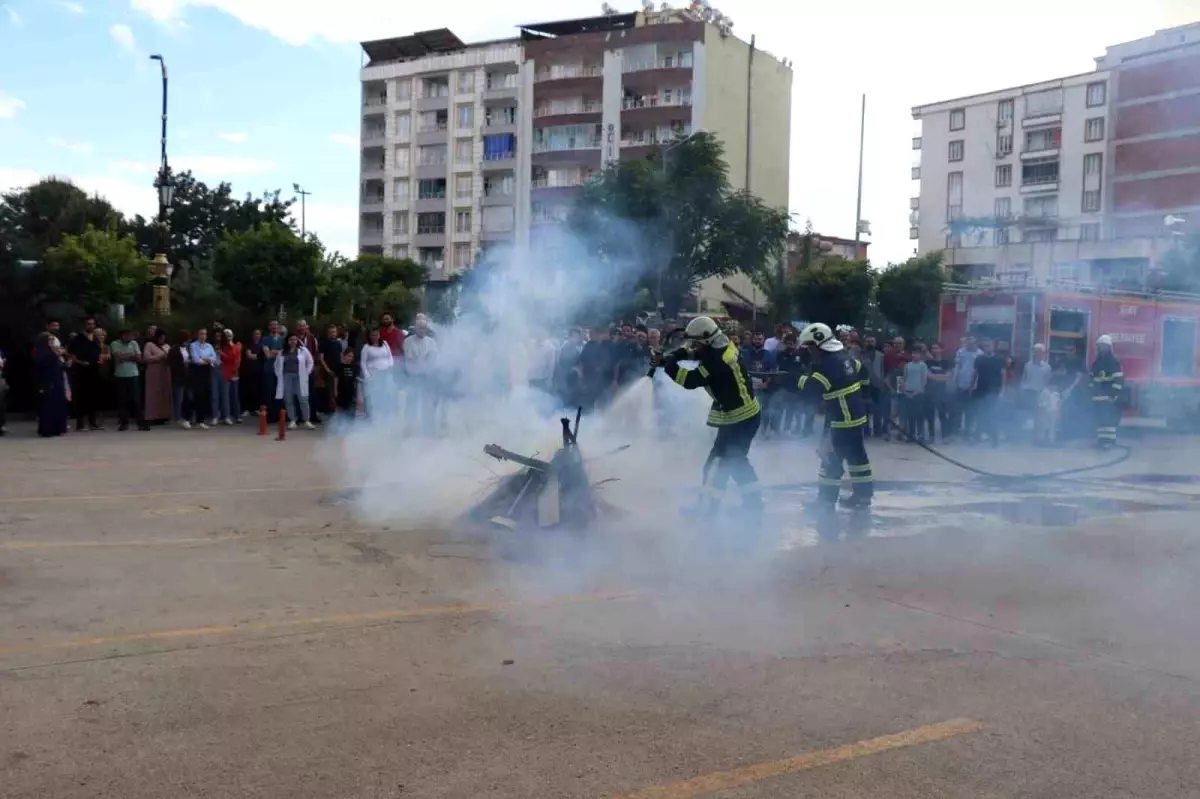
{"x": 916, "y": 409}
{"x": 347, "y": 383}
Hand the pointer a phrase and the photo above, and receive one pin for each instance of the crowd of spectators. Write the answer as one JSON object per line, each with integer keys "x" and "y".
{"x": 210, "y": 376}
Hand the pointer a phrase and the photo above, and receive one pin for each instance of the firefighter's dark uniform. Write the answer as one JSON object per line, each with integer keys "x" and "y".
{"x": 1107, "y": 383}
{"x": 735, "y": 413}
{"x": 838, "y": 380}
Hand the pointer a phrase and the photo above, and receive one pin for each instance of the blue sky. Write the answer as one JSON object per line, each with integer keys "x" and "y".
{"x": 265, "y": 93}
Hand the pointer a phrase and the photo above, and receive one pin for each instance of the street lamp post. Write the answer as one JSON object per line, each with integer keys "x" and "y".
{"x": 303, "y": 196}
{"x": 166, "y": 193}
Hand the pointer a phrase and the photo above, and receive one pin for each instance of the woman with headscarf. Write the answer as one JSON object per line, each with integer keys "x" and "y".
{"x": 52, "y": 388}
{"x": 158, "y": 378}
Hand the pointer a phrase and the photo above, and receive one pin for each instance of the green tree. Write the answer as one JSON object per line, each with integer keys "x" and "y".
{"x": 36, "y": 218}
{"x": 834, "y": 290}
{"x": 94, "y": 269}
{"x": 674, "y": 219}
{"x": 201, "y": 216}
{"x": 371, "y": 284}
{"x": 267, "y": 266}
{"x": 909, "y": 292}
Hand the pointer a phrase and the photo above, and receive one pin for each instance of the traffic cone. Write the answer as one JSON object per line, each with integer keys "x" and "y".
{"x": 262, "y": 420}
{"x": 282, "y": 424}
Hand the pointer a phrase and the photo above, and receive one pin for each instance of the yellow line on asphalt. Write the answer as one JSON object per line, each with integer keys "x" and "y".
{"x": 339, "y": 619}
{"x": 748, "y": 775}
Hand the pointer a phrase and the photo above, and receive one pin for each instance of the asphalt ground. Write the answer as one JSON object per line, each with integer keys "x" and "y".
{"x": 211, "y": 614}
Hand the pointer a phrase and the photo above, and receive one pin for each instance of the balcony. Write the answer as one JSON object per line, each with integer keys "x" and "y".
{"x": 372, "y": 169}
{"x": 569, "y": 72}
{"x": 653, "y": 101}
{"x": 568, "y": 145}
{"x": 432, "y": 134}
{"x": 504, "y": 159}
{"x": 375, "y": 101}
{"x": 500, "y": 85}
{"x": 371, "y": 202}
{"x": 500, "y": 121}
{"x": 568, "y": 108}
{"x": 683, "y": 61}
{"x": 374, "y": 134}
{"x": 434, "y": 99}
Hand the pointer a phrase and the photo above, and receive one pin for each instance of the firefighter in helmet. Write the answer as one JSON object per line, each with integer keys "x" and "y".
{"x": 1108, "y": 383}
{"x": 735, "y": 412}
{"x": 837, "y": 379}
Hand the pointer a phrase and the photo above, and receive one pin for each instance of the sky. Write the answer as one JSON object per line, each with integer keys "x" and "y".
{"x": 265, "y": 93}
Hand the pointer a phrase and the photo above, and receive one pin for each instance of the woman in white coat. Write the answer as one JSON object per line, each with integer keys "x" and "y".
{"x": 375, "y": 371}
{"x": 292, "y": 368}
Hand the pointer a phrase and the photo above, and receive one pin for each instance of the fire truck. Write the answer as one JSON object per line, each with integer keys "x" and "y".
{"x": 1154, "y": 335}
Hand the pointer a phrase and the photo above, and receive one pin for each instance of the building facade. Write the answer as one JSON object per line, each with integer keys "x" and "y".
{"x": 469, "y": 146}
{"x": 1088, "y": 178}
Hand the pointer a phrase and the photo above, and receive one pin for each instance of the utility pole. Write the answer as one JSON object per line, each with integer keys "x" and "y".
{"x": 303, "y": 196}
{"x": 862, "y": 133}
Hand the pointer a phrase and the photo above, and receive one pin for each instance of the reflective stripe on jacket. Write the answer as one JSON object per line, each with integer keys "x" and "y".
{"x": 839, "y": 380}
{"x": 722, "y": 375}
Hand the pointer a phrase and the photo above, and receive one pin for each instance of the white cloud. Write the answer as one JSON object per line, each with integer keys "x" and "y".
{"x": 10, "y": 106}
{"x": 78, "y": 147}
{"x": 343, "y": 138}
{"x": 13, "y": 16}
{"x": 73, "y": 7}
{"x": 236, "y": 138}
{"x": 335, "y": 225}
{"x": 123, "y": 36}
{"x": 209, "y": 167}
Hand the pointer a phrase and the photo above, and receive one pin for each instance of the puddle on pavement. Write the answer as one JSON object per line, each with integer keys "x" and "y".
{"x": 1158, "y": 479}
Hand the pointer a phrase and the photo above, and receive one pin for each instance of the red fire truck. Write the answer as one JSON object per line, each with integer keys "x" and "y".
{"x": 1154, "y": 334}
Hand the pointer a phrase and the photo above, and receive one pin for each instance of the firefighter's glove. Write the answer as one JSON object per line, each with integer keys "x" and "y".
{"x": 681, "y": 354}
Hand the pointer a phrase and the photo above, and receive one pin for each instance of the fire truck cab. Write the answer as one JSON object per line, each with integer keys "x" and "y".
{"x": 1154, "y": 335}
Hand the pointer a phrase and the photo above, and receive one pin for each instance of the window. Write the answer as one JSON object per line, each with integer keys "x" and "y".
{"x": 1093, "y": 129}
{"x": 1092, "y": 163}
{"x": 462, "y": 151}
{"x": 954, "y": 195}
{"x": 914, "y": 203}
{"x": 400, "y": 159}
{"x": 500, "y": 147}
{"x": 1178, "y": 347}
{"x": 431, "y": 121}
{"x": 1040, "y": 235}
{"x": 1002, "y": 211}
{"x": 1044, "y": 139}
{"x": 403, "y": 90}
{"x": 435, "y": 87}
{"x": 916, "y": 173}
{"x": 1089, "y": 231}
{"x": 400, "y": 190}
{"x": 462, "y": 255}
{"x": 1003, "y": 175}
{"x": 400, "y": 223}
{"x": 1097, "y": 94}
{"x": 400, "y": 251}
{"x": 914, "y": 233}
{"x": 466, "y": 82}
{"x": 1004, "y": 111}
{"x": 431, "y": 155}
{"x": 463, "y": 186}
{"x": 916, "y": 142}
{"x": 462, "y": 222}
{"x": 498, "y": 218}
{"x": 499, "y": 185}
{"x": 1004, "y": 144}
{"x": 956, "y": 150}
{"x": 431, "y": 189}
{"x": 958, "y": 119}
{"x": 465, "y": 117}
{"x": 431, "y": 223}
{"x": 500, "y": 116}
{"x": 1091, "y": 201}
{"x": 1042, "y": 207}
{"x": 1044, "y": 103}
{"x": 431, "y": 257}
{"x": 403, "y": 125}
{"x": 1039, "y": 172}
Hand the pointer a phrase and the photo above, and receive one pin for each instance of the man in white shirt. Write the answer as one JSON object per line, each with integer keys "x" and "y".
{"x": 420, "y": 357}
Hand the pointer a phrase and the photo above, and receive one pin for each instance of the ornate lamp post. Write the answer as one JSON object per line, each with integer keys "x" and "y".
{"x": 166, "y": 193}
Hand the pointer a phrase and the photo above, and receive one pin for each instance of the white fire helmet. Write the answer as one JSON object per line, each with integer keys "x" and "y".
{"x": 820, "y": 335}
{"x": 1105, "y": 340}
{"x": 703, "y": 330}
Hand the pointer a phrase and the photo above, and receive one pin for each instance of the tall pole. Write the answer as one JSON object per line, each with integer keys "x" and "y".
{"x": 303, "y": 196}
{"x": 162, "y": 270}
{"x": 862, "y": 134}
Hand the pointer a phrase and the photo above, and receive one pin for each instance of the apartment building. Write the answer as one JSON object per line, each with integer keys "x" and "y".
{"x": 471, "y": 146}
{"x": 1086, "y": 178}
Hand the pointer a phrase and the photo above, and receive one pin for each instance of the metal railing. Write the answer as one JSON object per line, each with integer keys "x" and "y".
{"x": 661, "y": 63}
{"x": 507, "y": 155}
{"x": 573, "y": 108}
{"x": 567, "y": 72}
{"x": 653, "y": 102}
{"x": 574, "y": 144}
